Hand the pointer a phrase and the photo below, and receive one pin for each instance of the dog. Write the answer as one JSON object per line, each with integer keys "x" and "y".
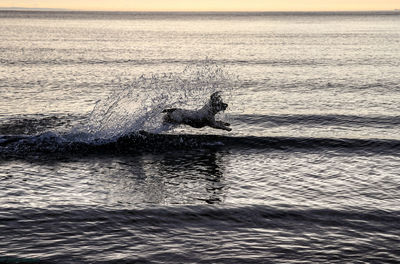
{"x": 202, "y": 117}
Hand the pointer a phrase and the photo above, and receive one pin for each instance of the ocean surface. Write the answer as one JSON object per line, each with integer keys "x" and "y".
{"x": 308, "y": 174}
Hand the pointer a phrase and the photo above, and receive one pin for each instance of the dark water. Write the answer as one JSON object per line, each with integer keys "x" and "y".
{"x": 245, "y": 234}
{"x": 309, "y": 173}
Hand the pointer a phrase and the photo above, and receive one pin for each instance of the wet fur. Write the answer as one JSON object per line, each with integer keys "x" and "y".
{"x": 202, "y": 117}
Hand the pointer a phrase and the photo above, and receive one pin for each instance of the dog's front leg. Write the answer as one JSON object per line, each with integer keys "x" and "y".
{"x": 220, "y": 125}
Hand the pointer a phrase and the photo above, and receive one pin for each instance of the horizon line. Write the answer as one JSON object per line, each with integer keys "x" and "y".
{"x": 185, "y": 11}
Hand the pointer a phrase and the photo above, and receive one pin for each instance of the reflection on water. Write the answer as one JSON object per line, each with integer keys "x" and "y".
{"x": 201, "y": 176}
{"x": 178, "y": 177}
{"x": 184, "y": 177}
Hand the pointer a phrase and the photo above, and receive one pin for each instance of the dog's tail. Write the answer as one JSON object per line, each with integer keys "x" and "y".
{"x": 170, "y": 110}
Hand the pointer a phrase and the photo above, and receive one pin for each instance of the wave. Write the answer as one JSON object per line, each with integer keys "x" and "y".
{"x": 144, "y": 142}
{"x": 320, "y": 120}
{"x": 151, "y": 62}
{"x": 247, "y": 216}
{"x": 34, "y": 124}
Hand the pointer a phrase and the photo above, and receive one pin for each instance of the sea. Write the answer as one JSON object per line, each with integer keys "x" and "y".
{"x": 90, "y": 172}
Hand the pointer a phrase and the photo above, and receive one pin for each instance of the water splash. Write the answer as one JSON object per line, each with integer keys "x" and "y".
{"x": 138, "y": 104}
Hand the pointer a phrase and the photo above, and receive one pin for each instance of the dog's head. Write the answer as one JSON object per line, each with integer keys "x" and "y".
{"x": 216, "y": 103}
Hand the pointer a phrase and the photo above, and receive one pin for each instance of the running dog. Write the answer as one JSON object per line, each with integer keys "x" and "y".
{"x": 202, "y": 117}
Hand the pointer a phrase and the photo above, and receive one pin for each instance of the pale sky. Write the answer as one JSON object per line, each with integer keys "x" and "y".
{"x": 208, "y": 5}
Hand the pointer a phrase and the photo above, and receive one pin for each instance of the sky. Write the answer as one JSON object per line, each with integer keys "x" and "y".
{"x": 208, "y": 5}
